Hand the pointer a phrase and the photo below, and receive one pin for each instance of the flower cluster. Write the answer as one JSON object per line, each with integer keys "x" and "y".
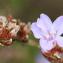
{"x": 10, "y": 28}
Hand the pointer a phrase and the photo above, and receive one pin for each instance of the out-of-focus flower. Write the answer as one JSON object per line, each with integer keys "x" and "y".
{"x": 8, "y": 30}
{"x": 41, "y": 59}
{"x": 5, "y": 37}
{"x": 13, "y": 27}
{"x": 49, "y": 33}
{"x": 23, "y": 32}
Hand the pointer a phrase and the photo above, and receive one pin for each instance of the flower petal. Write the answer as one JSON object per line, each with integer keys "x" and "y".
{"x": 46, "y": 45}
{"x": 59, "y": 41}
{"x": 44, "y": 23}
{"x": 36, "y": 30}
{"x": 58, "y": 24}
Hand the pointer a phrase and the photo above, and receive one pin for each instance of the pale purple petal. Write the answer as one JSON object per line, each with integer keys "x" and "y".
{"x": 46, "y": 45}
{"x": 58, "y": 25}
{"x": 41, "y": 59}
{"x": 59, "y": 41}
{"x": 44, "y": 23}
{"x": 36, "y": 30}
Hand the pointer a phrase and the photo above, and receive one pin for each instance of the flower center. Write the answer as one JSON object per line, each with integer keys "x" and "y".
{"x": 50, "y": 36}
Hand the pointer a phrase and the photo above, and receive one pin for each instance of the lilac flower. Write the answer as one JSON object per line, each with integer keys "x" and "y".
{"x": 48, "y": 33}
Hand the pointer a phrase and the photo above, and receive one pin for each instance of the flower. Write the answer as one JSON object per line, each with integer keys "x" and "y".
{"x": 48, "y": 33}
{"x": 5, "y": 37}
{"x": 23, "y": 32}
{"x": 41, "y": 59}
{"x": 13, "y": 27}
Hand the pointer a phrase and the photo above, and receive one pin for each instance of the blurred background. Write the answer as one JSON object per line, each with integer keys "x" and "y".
{"x": 27, "y": 11}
